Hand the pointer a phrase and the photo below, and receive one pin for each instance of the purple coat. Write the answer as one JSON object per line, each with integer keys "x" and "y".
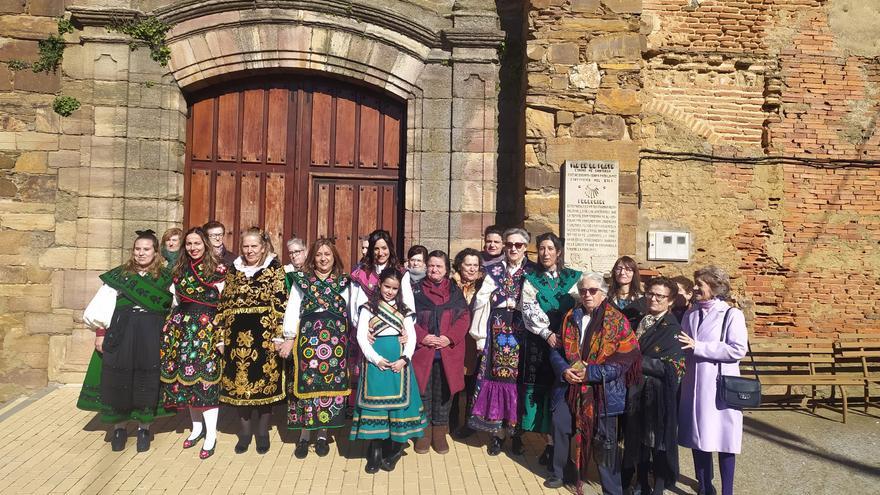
{"x": 702, "y": 423}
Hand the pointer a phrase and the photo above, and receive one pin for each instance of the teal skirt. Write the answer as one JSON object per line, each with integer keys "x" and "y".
{"x": 388, "y": 403}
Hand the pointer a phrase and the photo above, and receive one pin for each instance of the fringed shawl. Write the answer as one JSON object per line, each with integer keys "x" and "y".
{"x": 609, "y": 341}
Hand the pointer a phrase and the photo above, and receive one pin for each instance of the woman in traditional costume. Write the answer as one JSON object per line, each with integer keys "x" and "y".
{"x": 468, "y": 275}
{"x": 122, "y": 381}
{"x": 442, "y": 321}
{"x": 389, "y": 409}
{"x": 498, "y": 329}
{"x": 364, "y": 282}
{"x": 548, "y": 293}
{"x": 316, "y": 333}
{"x": 599, "y": 359}
{"x": 190, "y": 360}
{"x": 250, "y": 319}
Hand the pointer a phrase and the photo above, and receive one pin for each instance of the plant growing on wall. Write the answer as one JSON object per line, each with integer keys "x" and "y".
{"x": 65, "y": 105}
{"x": 149, "y": 30}
{"x": 51, "y": 51}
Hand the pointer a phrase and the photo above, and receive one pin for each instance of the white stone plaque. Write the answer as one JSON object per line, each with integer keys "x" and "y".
{"x": 589, "y": 218}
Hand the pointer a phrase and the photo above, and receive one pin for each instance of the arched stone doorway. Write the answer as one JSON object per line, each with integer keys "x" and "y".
{"x": 299, "y": 155}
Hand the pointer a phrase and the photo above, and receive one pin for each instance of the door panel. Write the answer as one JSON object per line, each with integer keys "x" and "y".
{"x": 303, "y": 157}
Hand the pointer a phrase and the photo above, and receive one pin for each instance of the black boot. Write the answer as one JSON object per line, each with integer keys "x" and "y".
{"x": 546, "y": 458}
{"x": 143, "y": 440}
{"x": 243, "y": 443}
{"x": 517, "y": 446}
{"x": 117, "y": 439}
{"x": 262, "y": 444}
{"x": 374, "y": 457}
{"x": 494, "y": 447}
{"x": 396, "y": 452}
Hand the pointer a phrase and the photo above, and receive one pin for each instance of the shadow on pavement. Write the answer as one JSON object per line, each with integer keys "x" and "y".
{"x": 802, "y": 445}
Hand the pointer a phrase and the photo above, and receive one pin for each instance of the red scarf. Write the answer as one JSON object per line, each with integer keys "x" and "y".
{"x": 611, "y": 341}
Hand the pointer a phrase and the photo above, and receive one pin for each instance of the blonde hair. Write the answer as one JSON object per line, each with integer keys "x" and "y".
{"x": 264, "y": 240}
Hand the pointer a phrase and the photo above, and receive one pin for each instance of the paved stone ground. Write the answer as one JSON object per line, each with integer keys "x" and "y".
{"x": 49, "y": 446}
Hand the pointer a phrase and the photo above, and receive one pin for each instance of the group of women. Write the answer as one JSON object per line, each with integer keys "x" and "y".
{"x": 420, "y": 348}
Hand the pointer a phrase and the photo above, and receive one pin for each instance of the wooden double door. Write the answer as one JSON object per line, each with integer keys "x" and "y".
{"x": 300, "y": 157}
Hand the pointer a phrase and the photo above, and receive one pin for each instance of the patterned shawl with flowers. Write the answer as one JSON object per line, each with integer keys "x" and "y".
{"x": 611, "y": 342}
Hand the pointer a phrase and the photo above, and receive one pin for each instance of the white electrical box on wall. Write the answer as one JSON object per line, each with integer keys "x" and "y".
{"x": 669, "y": 246}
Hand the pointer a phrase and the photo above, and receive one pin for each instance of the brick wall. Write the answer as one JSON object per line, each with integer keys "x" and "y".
{"x": 800, "y": 239}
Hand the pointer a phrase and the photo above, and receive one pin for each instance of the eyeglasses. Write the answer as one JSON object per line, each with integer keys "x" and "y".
{"x": 621, "y": 269}
{"x": 295, "y": 252}
{"x": 589, "y": 290}
{"x": 517, "y": 245}
{"x": 215, "y": 236}
{"x": 654, "y": 295}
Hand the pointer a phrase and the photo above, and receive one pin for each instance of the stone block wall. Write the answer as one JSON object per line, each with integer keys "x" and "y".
{"x": 74, "y": 189}
{"x": 583, "y": 100}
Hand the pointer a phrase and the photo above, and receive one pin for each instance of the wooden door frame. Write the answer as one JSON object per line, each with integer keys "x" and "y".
{"x": 298, "y": 177}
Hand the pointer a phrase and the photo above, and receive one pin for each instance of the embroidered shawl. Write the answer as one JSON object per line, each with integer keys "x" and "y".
{"x": 609, "y": 341}
{"x": 136, "y": 290}
{"x": 194, "y": 285}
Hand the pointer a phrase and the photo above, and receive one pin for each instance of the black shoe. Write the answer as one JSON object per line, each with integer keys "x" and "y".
{"x": 243, "y": 443}
{"x": 706, "y": 490}
{"x": 546, "y": 458}
{"x": 553, "y": 482}
{"x": 143, "y": 441}
{"x": 463, "y": 432}
{"x": 517, "y": 446}
{"x": 321, "y": 447}
{"x": 374, "y": 457}
{"x": 302, "y": 449}
{"x": 390, "y": 460}
{"x": 117, "y": 439}
{"x": 494, "y": 447}
{"x": 262, "y": 444}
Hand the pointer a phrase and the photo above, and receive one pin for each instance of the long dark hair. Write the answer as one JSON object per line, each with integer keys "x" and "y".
{"x": 635, "y": 286}
{"x": 370, "y": 258}
{"x": 558, "y": 243}
{"x": 209, "y": 258}
{"x": 373, "y": 303}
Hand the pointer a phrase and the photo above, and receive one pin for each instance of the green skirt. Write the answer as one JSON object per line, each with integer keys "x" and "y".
{"x": 90, "y": 399}
{"x": 388, "y": 403}
{"x": 535, "y": 406}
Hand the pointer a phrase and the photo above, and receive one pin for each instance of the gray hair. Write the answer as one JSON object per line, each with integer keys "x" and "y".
{"x": 295, "y": 241}
{"x": 517, "y": 231}
{"x": 717, "y": 279}
{"x": 595, "y": 277}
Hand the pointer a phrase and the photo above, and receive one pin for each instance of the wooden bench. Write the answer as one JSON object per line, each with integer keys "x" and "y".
{"x": 807, "y": 362}
{"x": 860, "y": 353}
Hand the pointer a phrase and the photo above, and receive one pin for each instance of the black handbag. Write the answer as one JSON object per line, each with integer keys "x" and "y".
{"x": 737, "y": 392}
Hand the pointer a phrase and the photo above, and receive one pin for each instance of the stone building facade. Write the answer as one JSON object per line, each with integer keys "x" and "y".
{"x": 749, "y": 124}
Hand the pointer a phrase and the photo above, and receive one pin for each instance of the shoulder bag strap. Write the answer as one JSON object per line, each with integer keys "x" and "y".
{"x": 748, "y": 346}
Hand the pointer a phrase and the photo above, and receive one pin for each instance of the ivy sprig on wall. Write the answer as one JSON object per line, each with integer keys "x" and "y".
{"x": 51, "y": 51}
{"x": 149, "y": 30}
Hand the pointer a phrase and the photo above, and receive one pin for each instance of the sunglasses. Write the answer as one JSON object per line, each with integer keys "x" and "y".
{"x": 589, "y": 290}
{"x": 517, "y": 245}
